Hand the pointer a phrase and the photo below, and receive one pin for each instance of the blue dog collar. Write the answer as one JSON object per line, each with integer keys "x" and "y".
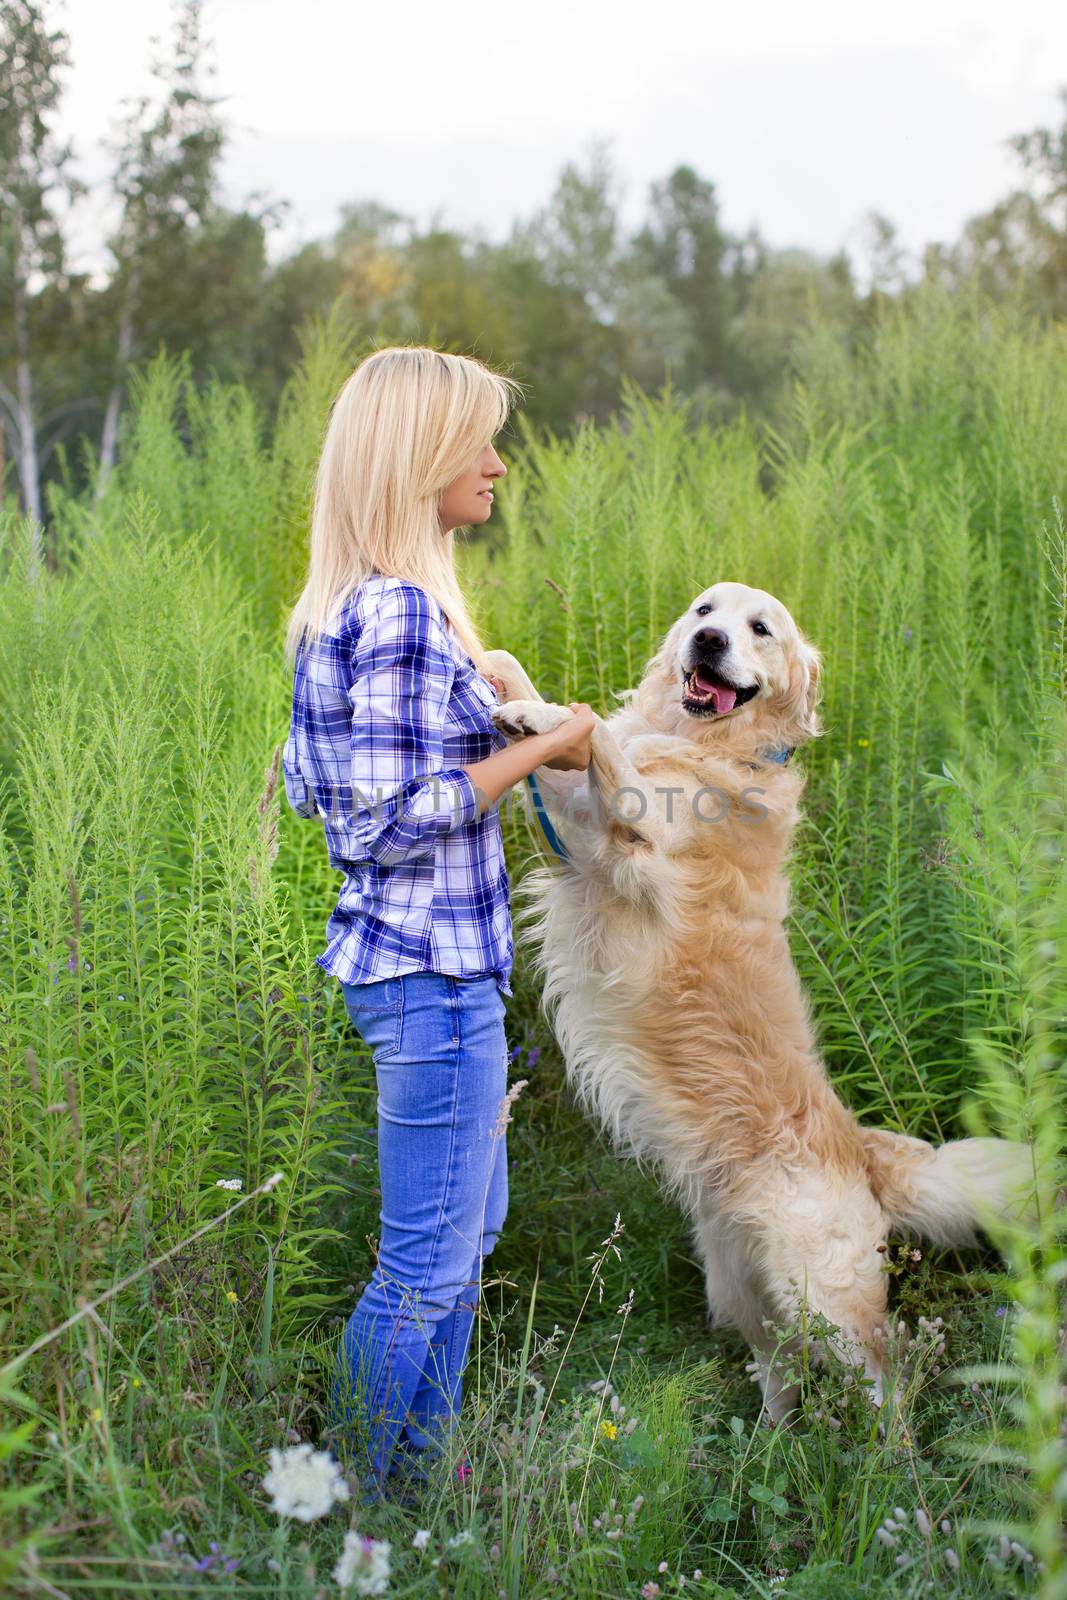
{"x": 551, "y": 838}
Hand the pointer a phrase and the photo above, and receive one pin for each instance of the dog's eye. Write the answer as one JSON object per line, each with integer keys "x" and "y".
{"x": 702, "y": 611}
{"x": 761, "y": 627}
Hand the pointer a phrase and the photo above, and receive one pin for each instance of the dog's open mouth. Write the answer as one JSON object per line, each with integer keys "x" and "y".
{"x": 709, "y": 695}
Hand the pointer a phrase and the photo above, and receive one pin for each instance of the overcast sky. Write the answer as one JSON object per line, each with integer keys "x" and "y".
{"x": 805, "y": 116}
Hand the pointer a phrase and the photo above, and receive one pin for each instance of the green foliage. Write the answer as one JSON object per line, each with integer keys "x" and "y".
{"x": 165, "y": 1025}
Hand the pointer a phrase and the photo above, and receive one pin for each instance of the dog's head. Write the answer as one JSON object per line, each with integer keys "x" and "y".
{"x": 736, "y": 660}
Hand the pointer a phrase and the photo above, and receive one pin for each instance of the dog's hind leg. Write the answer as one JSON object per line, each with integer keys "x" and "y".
{"x": 819, "y": 1255}
{"x": 735, "y": 1300}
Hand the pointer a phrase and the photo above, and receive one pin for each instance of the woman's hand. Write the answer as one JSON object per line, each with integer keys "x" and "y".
{"x": 571, "y": 742}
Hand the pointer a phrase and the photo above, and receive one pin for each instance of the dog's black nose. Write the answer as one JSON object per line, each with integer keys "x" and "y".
{"x": 711, "y": 639}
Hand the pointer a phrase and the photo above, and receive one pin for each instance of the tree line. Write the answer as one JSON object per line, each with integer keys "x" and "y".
{"x": 572, "y": 302}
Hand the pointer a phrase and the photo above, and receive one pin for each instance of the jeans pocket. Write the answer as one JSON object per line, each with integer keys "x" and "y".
{"x": 377, "y": 1010}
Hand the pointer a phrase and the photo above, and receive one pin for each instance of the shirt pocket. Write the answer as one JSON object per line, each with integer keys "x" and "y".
{"x": 471, "y": 715}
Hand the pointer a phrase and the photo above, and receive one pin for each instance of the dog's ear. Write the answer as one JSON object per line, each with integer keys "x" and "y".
{"x": 802, "y": 696}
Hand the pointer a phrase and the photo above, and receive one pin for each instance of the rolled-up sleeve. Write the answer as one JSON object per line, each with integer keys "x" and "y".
{"x": 297, "y": 792}
{"x": 403, "y": 797}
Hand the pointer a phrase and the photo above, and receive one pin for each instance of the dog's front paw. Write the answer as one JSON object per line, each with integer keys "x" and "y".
{"x": 519, "y": 718}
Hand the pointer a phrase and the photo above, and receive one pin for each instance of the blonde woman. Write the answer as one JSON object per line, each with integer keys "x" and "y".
{"x": 392, "y": 745}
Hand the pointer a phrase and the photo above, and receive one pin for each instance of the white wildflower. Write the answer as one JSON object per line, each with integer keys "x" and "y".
{"x": 304, "y": 1483}
{"x": 363, "y": 1564}
{"x": 952, "y": 1558}
{"x": 421, "y": 1539}
{"x": 465, "y": 1536}
{"x": 236, "y": 1184}
{"x": 884, "y": 1536}
{"x": 922, "y": 1522}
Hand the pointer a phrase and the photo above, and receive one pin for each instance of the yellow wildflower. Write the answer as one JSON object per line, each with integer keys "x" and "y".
{"x": 231, "y": 1296}
{"x": 864, "y": 744}
{"x": 96, "y": 1414}
{"x": 609, "y": 1430}
{"x": 137, "y": 1383}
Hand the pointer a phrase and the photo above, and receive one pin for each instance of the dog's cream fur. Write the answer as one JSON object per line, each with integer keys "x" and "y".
{"x": 679, "y": 1011}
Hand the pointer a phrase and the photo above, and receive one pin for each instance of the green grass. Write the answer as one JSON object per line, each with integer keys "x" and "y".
{"x": 165, "y": 1025}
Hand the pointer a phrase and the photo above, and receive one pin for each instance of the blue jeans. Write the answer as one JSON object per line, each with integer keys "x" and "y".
{"x": 440, "y": 1057}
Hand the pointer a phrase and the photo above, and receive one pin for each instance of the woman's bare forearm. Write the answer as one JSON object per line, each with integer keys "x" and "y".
{"x": 507, "y": 767}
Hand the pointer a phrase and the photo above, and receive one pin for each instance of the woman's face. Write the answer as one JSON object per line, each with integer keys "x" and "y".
{"x": 469, "y": 499}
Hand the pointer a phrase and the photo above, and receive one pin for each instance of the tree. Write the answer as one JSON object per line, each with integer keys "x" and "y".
{"x": 683, "y": 245}
{"x": 1020, "y": 245}
{"x": 577, "y": 234}
{"x": 33, "y": 177}
{"x": 165, "y": 177}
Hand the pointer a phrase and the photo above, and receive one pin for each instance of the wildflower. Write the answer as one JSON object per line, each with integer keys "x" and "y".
{"x": 236, "y": 1184}
{"x": 421, "y": 1540}
{"x": 458, "y": 1540}
{"x": 504, "y": 1112}
{"x": 884, "y": 1536}
{"x": 609, "y": 1430}
{"x": 663, "y": 1567}
{"x": 533, "y": 1057}
{"x": 952, "y": 1558}
{"x": 363, "y": 1564}
{"x": 136, "y": 1383}
{"x": 304, "y": 1483}
{"x": 1001, "y": 1311}
{"x": 864, "y": 744}
{"x": 232, "y": 1296}
{"x": 922, "y": 1522}
{"x": 649, "y": 1591}
{"x": 207, "y": 1562}
{"x": 96, "y": 1414}
{"x": 463, "y": 1470}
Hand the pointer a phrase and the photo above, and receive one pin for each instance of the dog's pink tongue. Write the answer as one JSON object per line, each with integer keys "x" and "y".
{"x": 724, "y": 699}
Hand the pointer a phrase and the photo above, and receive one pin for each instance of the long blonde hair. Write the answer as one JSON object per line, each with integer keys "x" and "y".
{"x": 406, "y": 423}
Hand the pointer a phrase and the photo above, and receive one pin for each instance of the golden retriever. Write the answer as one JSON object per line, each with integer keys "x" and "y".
{"x": 674, "y": 997}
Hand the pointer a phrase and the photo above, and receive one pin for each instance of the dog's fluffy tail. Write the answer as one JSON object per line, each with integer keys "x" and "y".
{"x": 949, "y": 1193}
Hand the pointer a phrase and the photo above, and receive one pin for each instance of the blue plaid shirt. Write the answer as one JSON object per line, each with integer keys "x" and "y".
{"x": 387, "y": 710}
